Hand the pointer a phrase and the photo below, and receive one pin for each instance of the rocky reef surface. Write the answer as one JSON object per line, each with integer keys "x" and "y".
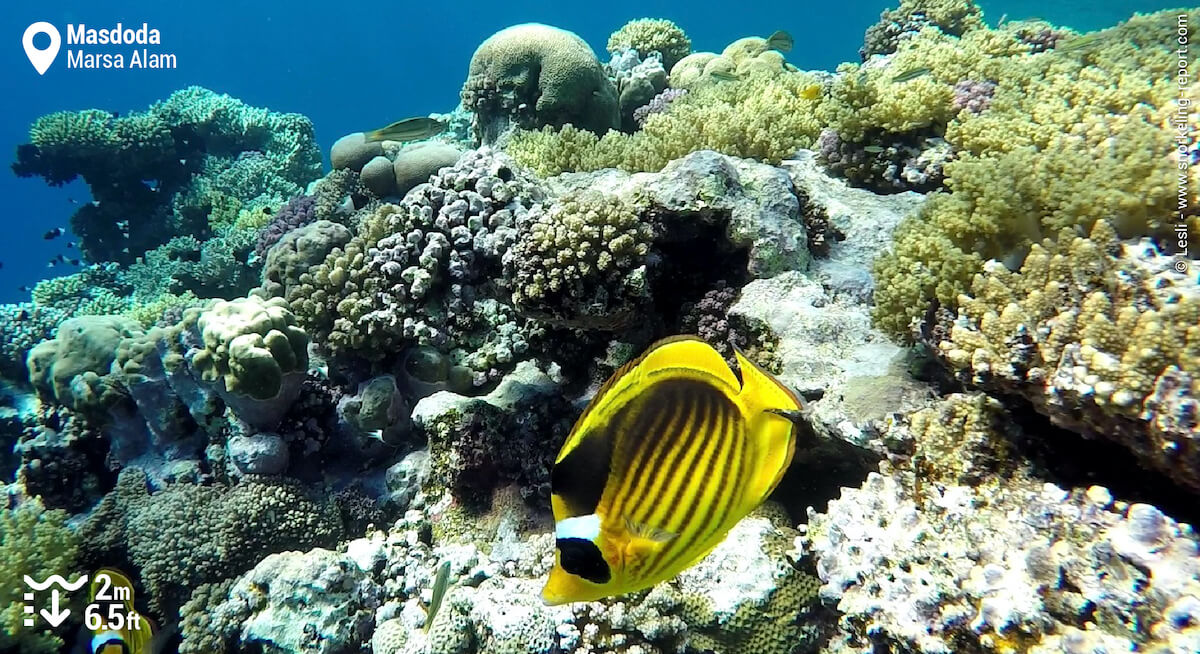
{"x": 290, "y": 399}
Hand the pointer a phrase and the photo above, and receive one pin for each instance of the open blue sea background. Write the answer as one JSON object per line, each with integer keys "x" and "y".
{"x": 351, "y": 66}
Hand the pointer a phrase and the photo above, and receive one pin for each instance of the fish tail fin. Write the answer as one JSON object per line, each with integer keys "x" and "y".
{"x": 771, "y": 409}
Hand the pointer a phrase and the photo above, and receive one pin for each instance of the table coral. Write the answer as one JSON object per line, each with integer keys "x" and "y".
{"x": 168, "y": 166}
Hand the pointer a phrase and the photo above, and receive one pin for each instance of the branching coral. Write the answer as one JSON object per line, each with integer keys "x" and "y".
{"x": 763, "y": 116}
{"x": 1069, "y": 137}
{"x": 418, "y": 272}
{"x": 581, "y": 261}
{"x": 646, "y": 35}
{"x": 37, "y": 543}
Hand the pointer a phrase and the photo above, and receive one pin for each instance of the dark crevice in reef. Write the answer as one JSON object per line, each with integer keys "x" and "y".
{"x": 1070, "y": 460}
{"x": 697, "y": 256}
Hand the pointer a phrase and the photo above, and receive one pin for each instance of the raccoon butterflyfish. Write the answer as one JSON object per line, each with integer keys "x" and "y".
{"x": 672, "y": 452}
{"x": 136, "y": 633}
{"x": 409, "y": 129}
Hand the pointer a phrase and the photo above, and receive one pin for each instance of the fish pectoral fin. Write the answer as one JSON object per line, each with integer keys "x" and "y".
{"x": 647, "y": 537}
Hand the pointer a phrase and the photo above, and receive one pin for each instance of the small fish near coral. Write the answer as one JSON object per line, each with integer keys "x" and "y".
{"x": 673, "y": 451}
{"x": 409, "y": 129}
{"x": 781, "y": 41}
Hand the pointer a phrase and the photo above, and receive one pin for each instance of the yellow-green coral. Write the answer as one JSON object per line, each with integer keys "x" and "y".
{"x": 38, "y": 543}
{"x": 961, "y": 440}
{"x": 1102, "y": 335}
{"x": 329, "y": 299}
{"x": 249, "y": 344}
{"x": 149, "y": 313}
{"x": 580, "y": 260}
{"x": 648, "y": 35}
{"x": 862, "y": 100}
{"x": 1069, "y": 137}
{"x": 763, "y": 116}
{"x": 1131, "y": 324}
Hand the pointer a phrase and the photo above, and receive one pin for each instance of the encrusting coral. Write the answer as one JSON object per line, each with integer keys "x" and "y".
{"x": 1102, "y": 336}
{"x": 187, "y": 534}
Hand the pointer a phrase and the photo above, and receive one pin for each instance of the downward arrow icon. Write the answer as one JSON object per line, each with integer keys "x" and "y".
{"x": 53, "y": 616}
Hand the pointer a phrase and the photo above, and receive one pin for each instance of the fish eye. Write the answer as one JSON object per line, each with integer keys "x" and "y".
{"x": 582, "y": 558}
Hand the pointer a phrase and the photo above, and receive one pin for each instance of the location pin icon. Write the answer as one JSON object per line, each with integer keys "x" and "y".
{"x": 41, "y": 59}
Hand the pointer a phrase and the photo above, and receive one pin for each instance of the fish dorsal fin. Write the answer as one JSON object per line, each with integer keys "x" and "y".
{"x": 688, "y": 352}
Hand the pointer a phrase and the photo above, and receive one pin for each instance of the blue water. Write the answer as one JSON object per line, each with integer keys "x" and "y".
{"x": 353, "y": 66}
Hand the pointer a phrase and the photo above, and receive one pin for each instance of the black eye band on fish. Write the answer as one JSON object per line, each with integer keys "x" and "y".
{"x": 582, "y": 558}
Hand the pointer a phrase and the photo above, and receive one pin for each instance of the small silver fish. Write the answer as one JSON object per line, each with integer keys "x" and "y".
{"x": 409, "y": 129}
{"x": 873, "y": 149}
{"x": 911, "y": 74}
{"x": 722, "y": 76}
{"x": 781, "y": 41}
{"x": 1080, "y": 42}
{"x": 440, "y": 583}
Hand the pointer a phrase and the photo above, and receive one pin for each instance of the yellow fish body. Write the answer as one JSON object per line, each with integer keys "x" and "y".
{"x": 672, "y": 452}
{"x": 113, "y": 587}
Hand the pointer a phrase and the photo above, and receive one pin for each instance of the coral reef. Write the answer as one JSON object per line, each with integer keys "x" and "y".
{"x": 417, "y": 272}
{"x": 185, "y": 534}
{"x": 160, "y": 172}
{"x": 1029, "y": 166}
{"x": 951, "y": 17}
{"x": 760, "y": 116}
{"x": 582, "y": 262}
{"x": 324, "y": 592}
{"x": 88, "y": 344}
{"x": 508, "y": 436}
{"x": 532, "y": 75}
{"x": 1015, "y": 565}
{"x": 252, "y": 353}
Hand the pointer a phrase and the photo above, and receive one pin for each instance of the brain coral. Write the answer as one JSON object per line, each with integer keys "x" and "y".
{"x": 534, "y": 75}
